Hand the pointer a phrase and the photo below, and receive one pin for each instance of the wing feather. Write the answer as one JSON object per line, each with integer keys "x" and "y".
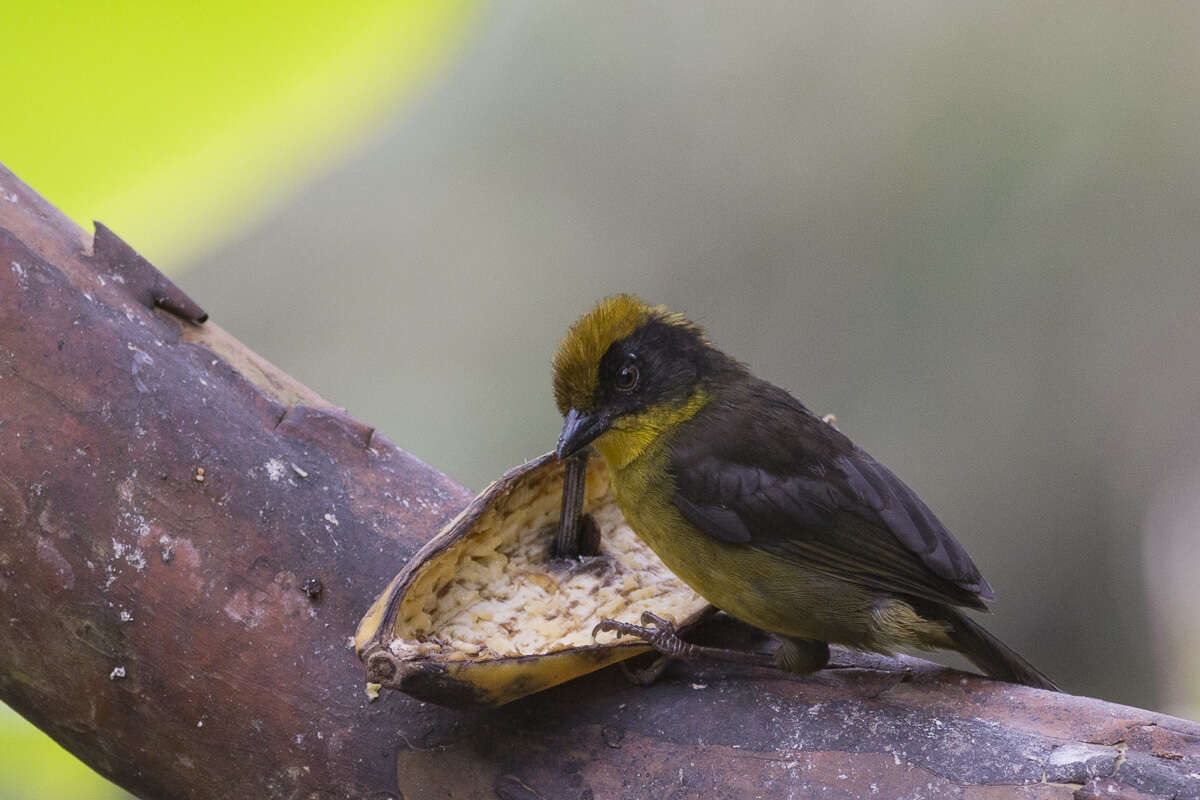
{"x": 789, "y": 484}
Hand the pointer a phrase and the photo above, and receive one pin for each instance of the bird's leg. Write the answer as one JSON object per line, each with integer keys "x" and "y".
{"x": 647, "y": 675}
{"x": 662, "y": 637}
{"x": 801, "y": 656}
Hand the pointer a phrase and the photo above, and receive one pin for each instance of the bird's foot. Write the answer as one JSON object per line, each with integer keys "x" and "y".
{"x": 647, "y": 675}
{"x": 661, "y": 637}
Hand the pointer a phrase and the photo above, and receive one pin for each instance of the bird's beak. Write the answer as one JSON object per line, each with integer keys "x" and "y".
{"x": 579, "y": 429}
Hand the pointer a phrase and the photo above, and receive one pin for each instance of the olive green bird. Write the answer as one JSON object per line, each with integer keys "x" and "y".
{"x": 760, "y": 506}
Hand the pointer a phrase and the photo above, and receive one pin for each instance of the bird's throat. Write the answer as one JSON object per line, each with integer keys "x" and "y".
{"x": 632, "y": 434}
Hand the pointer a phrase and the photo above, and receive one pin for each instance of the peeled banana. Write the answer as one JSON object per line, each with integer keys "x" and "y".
{"x": 485, "y": 613}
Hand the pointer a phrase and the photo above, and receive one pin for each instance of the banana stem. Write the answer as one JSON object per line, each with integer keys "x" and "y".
{"x": 566, "y": 543}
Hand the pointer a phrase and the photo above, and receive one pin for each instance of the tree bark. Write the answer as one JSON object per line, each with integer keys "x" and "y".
{"x": 188, "y": 538}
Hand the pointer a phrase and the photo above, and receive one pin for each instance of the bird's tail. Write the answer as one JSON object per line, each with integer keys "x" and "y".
{"x": 994, "y": 657}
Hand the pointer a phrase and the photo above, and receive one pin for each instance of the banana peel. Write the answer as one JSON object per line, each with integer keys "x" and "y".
{"x": 484, "y": 613}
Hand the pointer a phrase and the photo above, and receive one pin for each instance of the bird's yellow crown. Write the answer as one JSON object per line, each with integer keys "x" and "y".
{"x": 612, "y": 319}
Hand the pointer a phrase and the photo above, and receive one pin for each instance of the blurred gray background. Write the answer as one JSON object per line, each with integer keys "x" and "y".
{"x": 971, "y": 234}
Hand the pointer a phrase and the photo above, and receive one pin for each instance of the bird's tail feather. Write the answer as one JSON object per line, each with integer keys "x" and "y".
{"x": 994, "y": 657}
{"x": 991, "y": 655}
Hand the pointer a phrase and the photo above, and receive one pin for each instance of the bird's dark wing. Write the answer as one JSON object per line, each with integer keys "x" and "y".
{"x": 762, "y": 471}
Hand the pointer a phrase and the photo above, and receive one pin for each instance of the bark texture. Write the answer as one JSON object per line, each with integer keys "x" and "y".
{"x": 188, "y": 538}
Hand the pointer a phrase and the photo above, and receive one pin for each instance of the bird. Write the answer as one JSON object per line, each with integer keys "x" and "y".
{"x": 762, "y": 507}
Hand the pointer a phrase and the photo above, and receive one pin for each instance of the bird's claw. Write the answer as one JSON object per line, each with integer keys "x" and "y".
{"x": 663, "y": 625}
{"x": 661, "y": 636}
{"x": 607, "y": 625}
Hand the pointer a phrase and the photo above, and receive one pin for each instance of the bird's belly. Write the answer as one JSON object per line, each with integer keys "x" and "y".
{"x": 756, "y": 587}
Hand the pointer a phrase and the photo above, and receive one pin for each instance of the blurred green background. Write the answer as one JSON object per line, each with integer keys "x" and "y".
{"x": 971, "y": 234}
{"x": 189, "y": 123}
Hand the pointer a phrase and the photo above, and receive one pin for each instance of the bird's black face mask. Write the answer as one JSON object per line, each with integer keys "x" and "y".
{"x": 657, "y": 363}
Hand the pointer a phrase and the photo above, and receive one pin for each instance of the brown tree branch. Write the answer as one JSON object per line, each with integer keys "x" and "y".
{"x": 188, "y": 538}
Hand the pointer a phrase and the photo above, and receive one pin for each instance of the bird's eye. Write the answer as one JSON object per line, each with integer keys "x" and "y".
{"x": 627, "y": 377}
